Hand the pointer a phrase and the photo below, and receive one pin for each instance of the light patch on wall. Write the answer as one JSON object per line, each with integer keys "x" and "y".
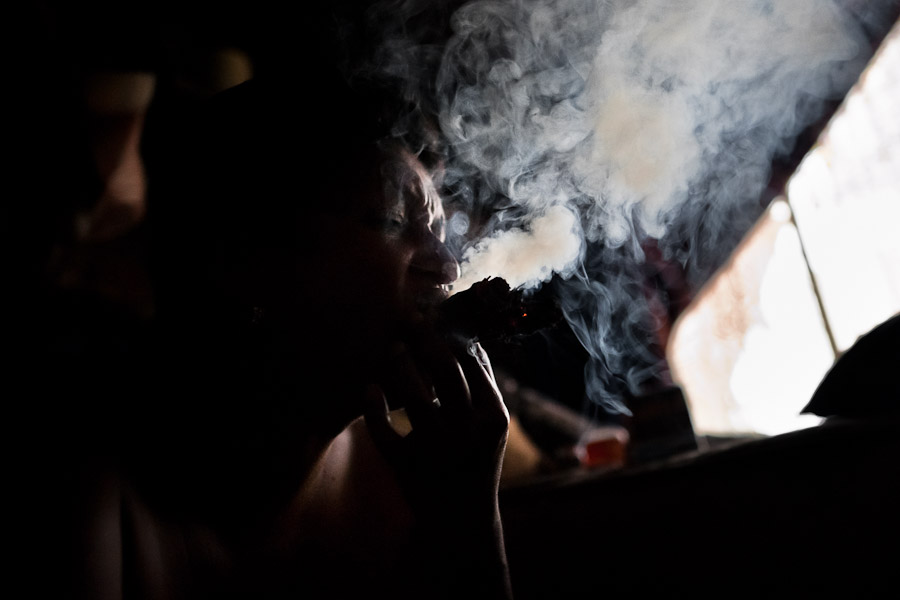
{"x": 846, "y": 201}
{"x": 820, "y": 269}
{"x": 751, "y": 349}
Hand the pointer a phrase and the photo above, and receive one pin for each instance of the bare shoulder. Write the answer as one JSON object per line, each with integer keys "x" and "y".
{"x": 353, "y": 492}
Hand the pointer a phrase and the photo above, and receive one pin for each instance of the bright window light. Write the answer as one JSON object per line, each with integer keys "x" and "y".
{"x": 820, "y": 269}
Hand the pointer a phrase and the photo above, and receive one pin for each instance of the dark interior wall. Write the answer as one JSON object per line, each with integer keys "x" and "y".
{"x": 813, "y": 511}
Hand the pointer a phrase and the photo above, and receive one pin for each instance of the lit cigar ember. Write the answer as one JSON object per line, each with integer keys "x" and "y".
{"x": 490, "y": 310}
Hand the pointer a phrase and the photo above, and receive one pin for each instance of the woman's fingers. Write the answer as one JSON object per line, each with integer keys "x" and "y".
{"x": 417, "y": 396}
{"x": 477, "y": 370}
{"x": 378, "y": 420}
{"x": 448, "y": 379}
{"x": 439, "y": 387}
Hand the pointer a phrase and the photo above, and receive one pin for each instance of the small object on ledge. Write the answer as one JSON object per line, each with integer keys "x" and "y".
{"x": 568, "y": 438}
{"x": 603, "y": 447}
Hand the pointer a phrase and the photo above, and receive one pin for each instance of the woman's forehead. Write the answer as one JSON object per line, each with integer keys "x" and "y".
{"x": 408, "y": 181}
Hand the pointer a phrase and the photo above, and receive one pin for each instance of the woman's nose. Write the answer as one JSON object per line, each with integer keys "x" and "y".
{"x": 434, "y": 260}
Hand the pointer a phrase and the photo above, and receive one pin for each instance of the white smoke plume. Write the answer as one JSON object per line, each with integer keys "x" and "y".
{"x": 525, "y": 258}
{"x": 585, "y": 127}
{"x": 625, "y": 105}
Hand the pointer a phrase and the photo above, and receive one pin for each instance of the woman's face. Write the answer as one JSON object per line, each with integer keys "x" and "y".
{"x": 381, "y": 264}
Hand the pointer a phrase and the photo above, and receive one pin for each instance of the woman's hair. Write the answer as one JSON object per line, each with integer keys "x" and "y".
{"x": 235, "y": 182}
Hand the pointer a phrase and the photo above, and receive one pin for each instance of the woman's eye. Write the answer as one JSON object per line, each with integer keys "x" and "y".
{"x": 392, "y": 222}
{"x": 395, "y": 220}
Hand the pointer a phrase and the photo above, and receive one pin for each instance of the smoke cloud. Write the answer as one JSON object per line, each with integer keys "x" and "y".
{"x": 525, "y": 258}
{"x": 579, "y": 130}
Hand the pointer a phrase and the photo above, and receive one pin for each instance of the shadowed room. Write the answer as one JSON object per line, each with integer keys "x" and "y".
{"x": 631, "y": 268}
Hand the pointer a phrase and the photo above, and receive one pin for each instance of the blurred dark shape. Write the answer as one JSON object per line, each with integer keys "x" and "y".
{"x": 864, "y": 381}
{"x": 659, "y": 426}
{"x": 568, "y": 438}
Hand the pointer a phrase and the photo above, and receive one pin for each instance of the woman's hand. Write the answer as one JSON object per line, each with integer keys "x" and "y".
{"x": 459, "y": 422}
{"x": 449, "y": 464}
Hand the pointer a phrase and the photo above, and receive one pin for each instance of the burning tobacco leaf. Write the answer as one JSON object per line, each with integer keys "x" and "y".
{"x": 490, "y": 310}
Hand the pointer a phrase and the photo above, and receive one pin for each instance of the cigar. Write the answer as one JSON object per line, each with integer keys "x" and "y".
{"x": 490, "y": 310}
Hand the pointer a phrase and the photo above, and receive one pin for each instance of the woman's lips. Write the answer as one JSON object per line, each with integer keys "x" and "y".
{"x": 427, "y": 303}
{"x": 429, "y": 299}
